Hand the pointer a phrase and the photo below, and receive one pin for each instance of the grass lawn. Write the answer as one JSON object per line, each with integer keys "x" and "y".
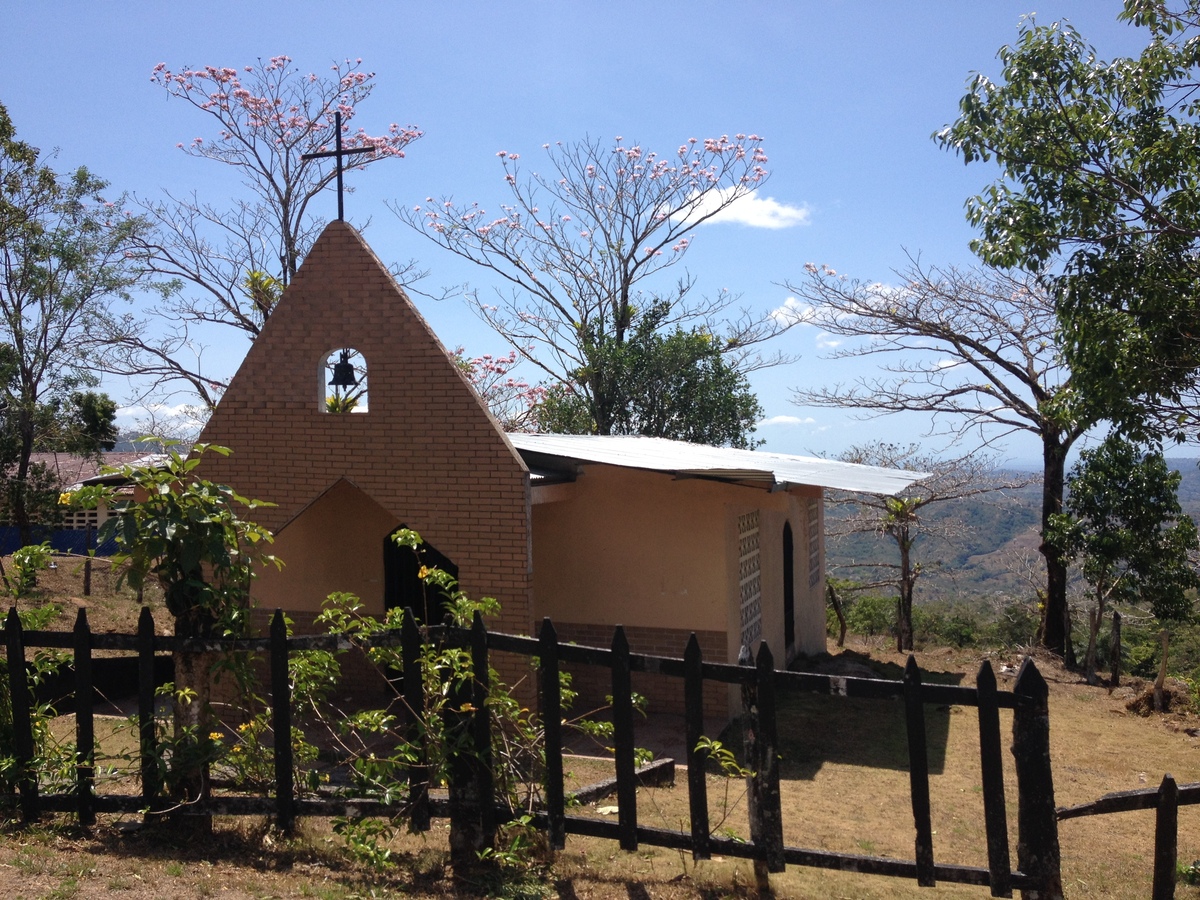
{"x": 844, "y": 767}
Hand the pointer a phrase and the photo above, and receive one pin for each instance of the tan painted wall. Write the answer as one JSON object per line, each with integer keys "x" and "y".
{"x": 776, "y": 510}
{"x": 624, "y": 546}
{"x": 325, "y": 560}
{"x": 630, "y": 547}
{"x": 427, "y": 451}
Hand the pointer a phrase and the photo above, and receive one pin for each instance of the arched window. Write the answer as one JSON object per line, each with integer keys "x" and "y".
{"x": 343, "y": 383}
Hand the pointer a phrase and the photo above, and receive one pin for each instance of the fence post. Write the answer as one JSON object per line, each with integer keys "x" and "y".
{"x": 87, "y": 562}
{"x": 918, "y": 771}
{"x": 147, "y": 739}
{"x": 771, "y": 808}
{"x": 1115, "y": 650}
{"x": 622, "y": 716}
{"x": 22, "y": 724}
{"x": 1038, "y": 852}
{"x": 754, "y": 784}
{"x": 552, "y": 731}
{"x": 281, "y": 724}
{"x": 482, "y": 727}
{"x": 462, "y": 776}
{"x": 693, "y": 692}
{"x": 414, "y": 702}
{"x": 85, "y": 732}
{"x": 995, "y": 819}
{"x": 1166, "y": 839}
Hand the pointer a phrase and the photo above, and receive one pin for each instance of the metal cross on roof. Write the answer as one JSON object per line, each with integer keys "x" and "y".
{"x": 339, "y": 153}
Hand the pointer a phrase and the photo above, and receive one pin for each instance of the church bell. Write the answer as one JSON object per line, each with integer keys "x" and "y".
{"x": 343, "y": 372}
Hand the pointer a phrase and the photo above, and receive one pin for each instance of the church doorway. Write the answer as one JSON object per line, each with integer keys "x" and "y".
{"x": 402, "y": 584}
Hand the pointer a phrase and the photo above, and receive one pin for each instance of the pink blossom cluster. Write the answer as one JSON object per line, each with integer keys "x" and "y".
{"x": 592, "y": 185}
{"x": 512, "y": 401}
{"x": 274, "y": 104}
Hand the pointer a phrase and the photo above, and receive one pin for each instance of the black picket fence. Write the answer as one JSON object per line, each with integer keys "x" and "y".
{"x": 472, "y": 805}
{"x": 1165, "y": 800}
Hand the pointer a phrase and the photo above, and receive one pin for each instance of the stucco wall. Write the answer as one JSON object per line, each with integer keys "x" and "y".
{"x": 639, "y": 548}
{"x": 325, "y": 560}
{"x": 630, "y": 547}
{"x": 776, "y": 510}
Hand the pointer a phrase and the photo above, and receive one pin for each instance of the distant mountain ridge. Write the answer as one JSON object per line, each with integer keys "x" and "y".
{"x": 992, "y": 561}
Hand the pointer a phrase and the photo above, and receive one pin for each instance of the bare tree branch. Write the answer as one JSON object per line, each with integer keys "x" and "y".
{"x": 577, "y": 242}
{"x": 979, "y": 350}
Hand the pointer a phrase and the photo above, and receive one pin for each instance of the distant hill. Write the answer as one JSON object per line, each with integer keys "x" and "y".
{"x": 1001, "y": 540}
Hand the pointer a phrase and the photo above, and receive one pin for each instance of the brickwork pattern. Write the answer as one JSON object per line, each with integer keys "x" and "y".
{"x": 427, "y": 450}
{"x": 663, "y": 693}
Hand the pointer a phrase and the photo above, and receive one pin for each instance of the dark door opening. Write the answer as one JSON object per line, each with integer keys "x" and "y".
{"x": 789, "y": 588}
{"x": 402, "y": 584}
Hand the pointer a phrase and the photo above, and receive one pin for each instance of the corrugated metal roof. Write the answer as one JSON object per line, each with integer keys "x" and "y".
{"x": 682, "y": 458}
{"x": 73, "y": 469}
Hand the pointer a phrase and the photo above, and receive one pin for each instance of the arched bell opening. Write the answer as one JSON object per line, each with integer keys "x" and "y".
{"x": 343, "y": 381}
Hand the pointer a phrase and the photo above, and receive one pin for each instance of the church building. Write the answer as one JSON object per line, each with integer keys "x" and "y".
{"x": 663, "y": 537}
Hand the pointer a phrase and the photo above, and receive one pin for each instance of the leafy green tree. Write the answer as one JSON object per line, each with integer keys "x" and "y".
{"x": 579, "y": 244}
{"x": 64, "y": 260}
{"x": 1098, "y": 195}
{"x": 188, "y": 535}
{"x": 1124, "y": 520}
{"x": 674, "y": 384}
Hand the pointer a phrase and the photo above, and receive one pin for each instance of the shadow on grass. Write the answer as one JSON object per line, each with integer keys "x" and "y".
{"x": 816, "y": 729}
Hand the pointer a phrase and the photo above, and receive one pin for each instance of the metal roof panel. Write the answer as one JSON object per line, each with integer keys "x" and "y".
{"x": 682, "y": 458}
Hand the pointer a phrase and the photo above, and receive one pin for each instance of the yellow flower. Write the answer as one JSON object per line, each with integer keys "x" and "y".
{"x": 64, "y": 499}
{"x": 424, "y": 573}
{"x": 215, "y": 735}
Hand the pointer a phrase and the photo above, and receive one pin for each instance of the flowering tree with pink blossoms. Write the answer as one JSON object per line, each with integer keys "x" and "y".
{"x": 232, "y": 262}
{"x": 576, "y": 244}
{"x": 513, "y": 401}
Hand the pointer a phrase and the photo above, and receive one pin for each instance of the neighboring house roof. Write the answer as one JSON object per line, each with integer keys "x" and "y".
{"x": 546, "y": 453}
{"x": 73, "y": 469}
{"x": 119, "y": 460}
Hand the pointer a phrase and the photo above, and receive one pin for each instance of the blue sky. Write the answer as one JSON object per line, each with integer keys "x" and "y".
{"x": 846, "y": 95}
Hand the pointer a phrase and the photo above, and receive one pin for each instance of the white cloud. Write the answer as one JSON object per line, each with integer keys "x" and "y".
{"x": 181, "y": 421}
{"x": 751, "y": 209}
{"x": 784, "y": 420}
{"x": 792, "y": 312}
{"x": 947, "y": 363}
{"x": 827, "y": 341}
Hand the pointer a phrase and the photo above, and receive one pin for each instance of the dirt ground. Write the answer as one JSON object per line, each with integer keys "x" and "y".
{"x": 845, "y": 789}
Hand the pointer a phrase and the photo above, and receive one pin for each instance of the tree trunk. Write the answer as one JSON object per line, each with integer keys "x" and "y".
{"x": 904, "y": 604}
{"x": 1160, "y": 682}
{"x": 192, "y": 714}
{"x": 1089, "y": 664}
{"x": 1056, "y": 633}
{"x": 839, "y": 612}
{"x": 19, "y": 487}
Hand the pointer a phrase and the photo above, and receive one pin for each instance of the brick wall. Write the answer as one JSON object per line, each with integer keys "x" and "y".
{"x": 426, "y": 450}
{"x": 663, "y": 693}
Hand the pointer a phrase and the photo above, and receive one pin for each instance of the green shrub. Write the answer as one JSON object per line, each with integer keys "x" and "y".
{"x": 1015, "y": 625}
{"x": 26, "y": 563}
{"x": 871, "y": 614}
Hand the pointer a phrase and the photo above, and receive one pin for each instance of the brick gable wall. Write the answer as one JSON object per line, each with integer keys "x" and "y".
{"x": 426, "y": 451}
